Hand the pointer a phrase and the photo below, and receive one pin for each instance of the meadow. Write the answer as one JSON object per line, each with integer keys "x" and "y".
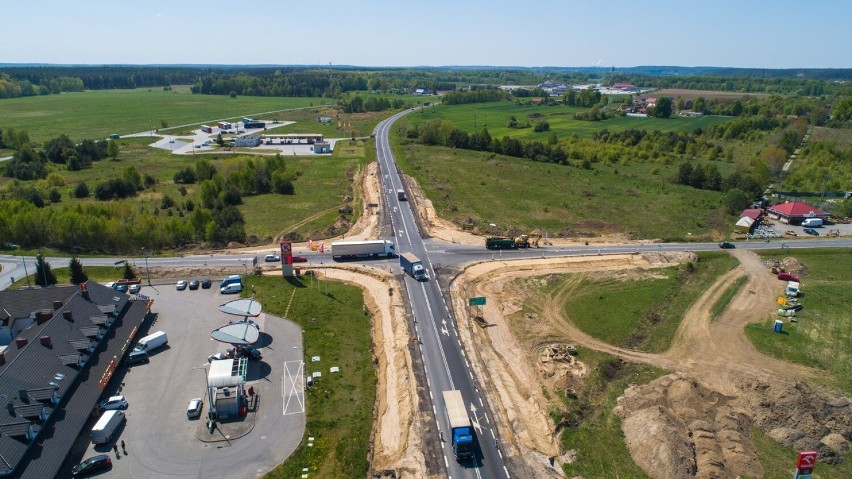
{"x": 822, "y": 337}
{"x": 99, "y": 113}
{"x": 495, "y": 116}
{"x": 644, "y": 312}
{"x": 633, "y": 198}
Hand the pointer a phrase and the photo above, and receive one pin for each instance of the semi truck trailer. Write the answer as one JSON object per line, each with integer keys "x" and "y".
{"x": 362, "y": 249}
{"x": 413, "y": 266}
{"x": 460, "y": 427}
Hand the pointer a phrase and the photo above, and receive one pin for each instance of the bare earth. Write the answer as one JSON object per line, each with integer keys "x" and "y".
{"x": 695, "y": 422}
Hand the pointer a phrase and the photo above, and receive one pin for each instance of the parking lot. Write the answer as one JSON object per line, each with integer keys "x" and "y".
{"x": 780, "y": 229}
{"x": 160, "y": 440}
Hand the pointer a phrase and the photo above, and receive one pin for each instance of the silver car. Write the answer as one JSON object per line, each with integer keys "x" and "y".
{"x": 194, "y": 408}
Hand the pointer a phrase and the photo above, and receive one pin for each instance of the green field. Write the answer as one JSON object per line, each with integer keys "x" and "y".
{"x": 339, "y": 406}
{"x": 495, "y": 116}
{"x": 644, "y": 312}
{"x": 822, "y": 338}
{"x": 477, "y": 188}
{"x": 96, "y": 114}
{"x": 591, "y": 427}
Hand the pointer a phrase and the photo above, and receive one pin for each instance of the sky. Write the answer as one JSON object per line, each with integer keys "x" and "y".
{"x": 620, "y": 33}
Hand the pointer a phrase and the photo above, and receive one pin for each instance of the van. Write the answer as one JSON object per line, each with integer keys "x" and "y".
{"x": 812, "y": 222}
{"x": 232, "y": 288}
{"x": 106, "y": 426}
{"x": 152, "y": 342}
{"x": 234, "y": 278}
{"x": 136, "y": 357}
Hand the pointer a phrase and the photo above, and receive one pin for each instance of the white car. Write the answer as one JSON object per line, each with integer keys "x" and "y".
{"x": 194, "y": 407}
{"x": 114, "y": 402}
{"x": 180, "y": 285}
{"x": 134, "y": 288}
{"x": 111, "y": 284}
{"x": 272, "y": 258}
{"x": 216, "y": 357}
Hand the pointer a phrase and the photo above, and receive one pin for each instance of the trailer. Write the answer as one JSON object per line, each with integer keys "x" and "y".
{"x": 362, "y": 249}
{"x": 412, "y": 265}
{"x": 106, "y": 426}
{"x": 206, "y": 129}
{"x": 460, "y": 427}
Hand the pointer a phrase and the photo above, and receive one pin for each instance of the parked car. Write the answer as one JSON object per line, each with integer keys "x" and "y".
{"x": 171, "y": 141}
{"x": 300, "y": 259}
{"x": 787, "y": 277}
{"x": 114, "y": 402}
{"x": 92, "y": 464}
{"x": 250, "y": 352}
{"x": 134, "y": 288}
{"x": 194, "y": 408}
{"x": 193, "y": 285}
{"x": 181, "y": 285}
{"x": 232, "y": 288}
{"x": 135, "y": 357}
{"x": 727, "y": 245}
{"x": 272, "y": 258}
{"x": 811, "y": 231}
{"x": 121, "y": 288}
{"x": 216, "y": 357}
{"x": 206, "y": 284}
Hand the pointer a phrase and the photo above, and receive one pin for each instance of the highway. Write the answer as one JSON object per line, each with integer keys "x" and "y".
{"x": 444, "y": 360}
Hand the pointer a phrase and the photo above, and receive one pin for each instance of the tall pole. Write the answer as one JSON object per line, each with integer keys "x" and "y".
{"x": 147, "y": 271}
{"x": 24, "y": 260}
{"x": 43, "y": 272}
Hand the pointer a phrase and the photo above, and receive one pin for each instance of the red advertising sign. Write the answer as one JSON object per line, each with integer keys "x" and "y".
{"x": 806, "y": 461}
{"x": 287, "y": 252}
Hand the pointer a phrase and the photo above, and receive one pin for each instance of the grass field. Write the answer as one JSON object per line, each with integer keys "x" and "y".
{"x": 96, "y": 114}
{"x": 495, "y": 116}
{"x": 592, "y": 429}
{"x": 645, "y": 312}
{"x": 823, "y": 336}
{"x": 631, "y": 198}
{"x": 340, "y": 406}
{"x": 778, "y": 460}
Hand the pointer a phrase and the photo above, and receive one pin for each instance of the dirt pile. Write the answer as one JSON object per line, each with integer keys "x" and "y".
{"x": 677, "y": 427}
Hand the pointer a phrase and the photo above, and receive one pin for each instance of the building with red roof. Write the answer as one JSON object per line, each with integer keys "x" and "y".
{"x": 753, "y": 213}
{"x": 794, "y": 212}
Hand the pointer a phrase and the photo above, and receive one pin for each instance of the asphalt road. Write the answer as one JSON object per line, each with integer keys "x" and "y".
{"x": 444, "y": 359}
{"x": 161, "y": 441}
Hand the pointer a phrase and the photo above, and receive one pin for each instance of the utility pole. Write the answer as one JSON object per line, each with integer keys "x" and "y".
{"x": 24, "y": 260}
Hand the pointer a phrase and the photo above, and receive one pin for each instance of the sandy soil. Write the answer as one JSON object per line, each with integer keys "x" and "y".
{"x": 695, "y": 422}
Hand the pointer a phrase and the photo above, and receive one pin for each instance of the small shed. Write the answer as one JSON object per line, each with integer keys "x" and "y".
{"x": 322, "y": 147}
{"x": 744, "y": 225}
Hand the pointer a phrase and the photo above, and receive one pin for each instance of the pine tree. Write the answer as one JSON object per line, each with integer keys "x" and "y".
{"x": 44, "y": 276}
{"x": 128, "y": 271}
{"x": 75, "y": 269}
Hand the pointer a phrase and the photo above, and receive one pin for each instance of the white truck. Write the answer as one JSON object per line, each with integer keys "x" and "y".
{"x": 106, "y": 426}
{"x": 361, "y": 249}
{"x": 152, "y": 342}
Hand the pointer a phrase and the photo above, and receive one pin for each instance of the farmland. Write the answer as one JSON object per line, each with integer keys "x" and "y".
{"x": 495, "y": 117}
{"x": 707, "y": 94}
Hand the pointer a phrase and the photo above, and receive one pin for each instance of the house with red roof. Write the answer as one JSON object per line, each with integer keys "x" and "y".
{"x": 794, "y": 212}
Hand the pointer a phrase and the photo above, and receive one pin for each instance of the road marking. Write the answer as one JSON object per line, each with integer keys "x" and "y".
{"x": 293, "y": 388}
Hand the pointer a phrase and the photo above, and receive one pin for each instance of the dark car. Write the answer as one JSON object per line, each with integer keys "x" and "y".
{"x": 90, "y": 465}
{"x": 206, "y": 284}
{"x": 193, "y": 285}
{"x": 300, "y": 259}
{"x": 811, "y": 231}
{"x": 136, "y": 357}
{"x": 727, "y": 245}
{"x": 250, "y": 352}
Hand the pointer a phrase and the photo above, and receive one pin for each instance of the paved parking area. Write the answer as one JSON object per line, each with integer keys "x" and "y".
{"x": 161, "y": 442}
{"x": 781, "y": 228}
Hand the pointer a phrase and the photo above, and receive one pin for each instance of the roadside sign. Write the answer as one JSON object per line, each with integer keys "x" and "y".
{"x": 806, "y": 462}
{"x": 479, "y": 301}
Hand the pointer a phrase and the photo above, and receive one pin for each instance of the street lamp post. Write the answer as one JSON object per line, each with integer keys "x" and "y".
{"x": 147, "y": 271}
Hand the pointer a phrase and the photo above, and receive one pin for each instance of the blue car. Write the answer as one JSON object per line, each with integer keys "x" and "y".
{"x": 121, "y": 288}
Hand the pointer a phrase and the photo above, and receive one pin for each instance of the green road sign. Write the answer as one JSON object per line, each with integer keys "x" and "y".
{"x": 480, "y": 301}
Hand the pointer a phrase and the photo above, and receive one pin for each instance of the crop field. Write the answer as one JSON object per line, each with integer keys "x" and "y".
{"x": 96, "y": 114}
{"x": 634, "y": 199}
{"x": 843, "y": 136}
{"x": 495, "y": 116}
{"x": 822, "y": 337}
